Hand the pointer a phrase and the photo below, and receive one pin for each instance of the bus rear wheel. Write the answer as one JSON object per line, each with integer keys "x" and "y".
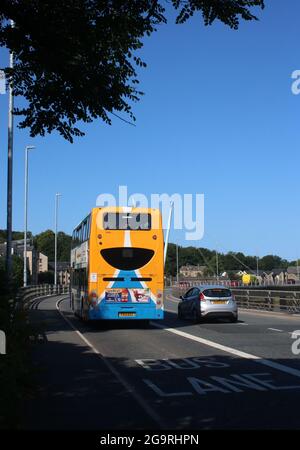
{"x": 83, "y": 314}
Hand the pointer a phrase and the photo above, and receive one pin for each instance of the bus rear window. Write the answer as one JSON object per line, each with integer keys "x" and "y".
{"x": 126, "y": 221}
{"x": 127, "y": 258}
{"x": 220, "y": 293}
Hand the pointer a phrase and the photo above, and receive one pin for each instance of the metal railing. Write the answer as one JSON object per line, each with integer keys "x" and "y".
{"x": 268, "y": 300}
{"x": 232, "y": 283}
{"x": 26, "y": 295}
{"x": 261, "y": 299}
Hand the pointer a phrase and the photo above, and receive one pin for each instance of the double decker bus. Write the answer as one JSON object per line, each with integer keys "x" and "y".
{"x": 117, "y": 264}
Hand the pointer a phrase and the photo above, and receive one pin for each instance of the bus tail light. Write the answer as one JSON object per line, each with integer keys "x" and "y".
{"x": 94, "y": 298}
{"x": 159, "y": 299}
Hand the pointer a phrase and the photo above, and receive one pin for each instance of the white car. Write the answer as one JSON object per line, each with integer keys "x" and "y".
{"x": 208, "y": 301}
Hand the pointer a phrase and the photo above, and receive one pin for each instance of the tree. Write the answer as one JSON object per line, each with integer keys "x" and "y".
{"x": 63, "y": 246}
{"x": 17, "y": 278}
{"x": 45, "y": 241}
{"x": 46, "y": 277}
{"x": 270, "y": 262}
{"x": 213, "y": 266}
{"x": 77, "y": 59}
{"x": 16, "y": 235}
{"x": 170, "y": 268}
{"x": 17, "y": 269}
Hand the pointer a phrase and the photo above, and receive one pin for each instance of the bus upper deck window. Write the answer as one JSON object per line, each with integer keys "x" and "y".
{"x": 127, "y": 221}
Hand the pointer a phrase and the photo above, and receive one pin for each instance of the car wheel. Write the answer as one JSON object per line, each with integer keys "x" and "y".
{"x": 196, "y": 316}
{"x": 234, "y": 319}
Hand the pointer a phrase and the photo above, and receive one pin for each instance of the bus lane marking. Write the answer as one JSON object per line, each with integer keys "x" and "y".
{"x": 231, "y": 383}
{"x": 274, "y": 365}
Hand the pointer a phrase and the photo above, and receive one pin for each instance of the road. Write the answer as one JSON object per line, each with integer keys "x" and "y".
{"x": 169, "y": 375}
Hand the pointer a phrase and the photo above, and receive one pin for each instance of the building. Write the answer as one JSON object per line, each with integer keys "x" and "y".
{"x": 190, "y": 271}
{"x": 42, "y": 263}
{"x": 36, "y": 262}
{"x": 293, "y": 274}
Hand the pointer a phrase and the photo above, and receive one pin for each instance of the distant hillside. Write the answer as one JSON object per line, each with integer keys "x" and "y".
{"x": 229, "y": 262}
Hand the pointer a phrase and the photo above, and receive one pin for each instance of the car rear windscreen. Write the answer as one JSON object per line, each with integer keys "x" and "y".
{"x": 217, "y": 293}
{"x": 127, "y": 221}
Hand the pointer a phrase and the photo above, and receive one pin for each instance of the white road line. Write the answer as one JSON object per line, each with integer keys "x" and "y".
{"x": 139, "y": 399}
{"x": 275, "y": 329}
{"x": 232, "y": 351}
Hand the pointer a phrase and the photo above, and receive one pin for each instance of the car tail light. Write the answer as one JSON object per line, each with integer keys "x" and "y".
{"x": 202, "y": 297}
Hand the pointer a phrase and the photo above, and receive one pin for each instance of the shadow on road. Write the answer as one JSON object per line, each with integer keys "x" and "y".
{"x": 200, "y": 389}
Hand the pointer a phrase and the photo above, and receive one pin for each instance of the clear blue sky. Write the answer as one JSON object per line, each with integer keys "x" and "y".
{"x": 218, "y": 117}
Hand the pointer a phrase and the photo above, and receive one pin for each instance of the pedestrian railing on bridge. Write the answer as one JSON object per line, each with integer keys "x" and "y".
{"x": 261, "y": 299}
{"x": 27, "y": 295}
{"x": 268, "y": 300}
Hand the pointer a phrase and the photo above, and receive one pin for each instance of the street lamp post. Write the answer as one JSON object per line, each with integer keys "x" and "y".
{"x": 10, "y": 172}
{"x": 55, "y": 240}
{"x": 27, "y": 148}
{"x": 217, "y": 265}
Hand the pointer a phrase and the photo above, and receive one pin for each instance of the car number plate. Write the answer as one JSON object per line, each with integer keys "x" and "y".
{"x": 219, "y": 302}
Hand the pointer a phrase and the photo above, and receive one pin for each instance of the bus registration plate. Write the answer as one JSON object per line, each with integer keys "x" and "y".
{"x": 127, "y": 314}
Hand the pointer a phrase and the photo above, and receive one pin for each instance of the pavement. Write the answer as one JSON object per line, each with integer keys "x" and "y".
{"x": 171, "y": 374}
